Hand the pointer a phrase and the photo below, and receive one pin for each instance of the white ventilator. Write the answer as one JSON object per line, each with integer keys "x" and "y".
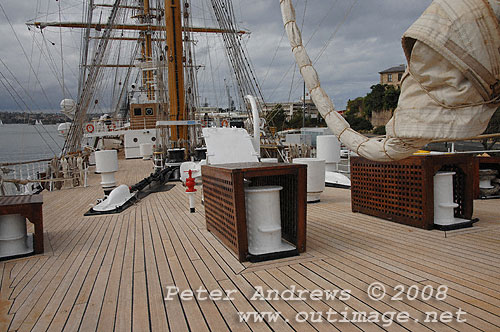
{"x": 116, "y": 198}
{"x": 229, "y": 145}
{"x": 451, "y": 87}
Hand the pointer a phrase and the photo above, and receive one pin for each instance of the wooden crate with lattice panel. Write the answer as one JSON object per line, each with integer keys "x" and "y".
{"x": 403, "y": 191}
{"x": 224, "y": 197}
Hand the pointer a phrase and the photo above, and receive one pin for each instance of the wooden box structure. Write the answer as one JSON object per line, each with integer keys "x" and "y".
{"x": 403, "y": 191}
{"x": 144, "y": 116}
{"x": 30, "y": 207}
{"x": 224, "y": 196}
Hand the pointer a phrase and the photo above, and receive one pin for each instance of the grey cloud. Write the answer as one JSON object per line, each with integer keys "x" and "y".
{"x": 367, "y": 42}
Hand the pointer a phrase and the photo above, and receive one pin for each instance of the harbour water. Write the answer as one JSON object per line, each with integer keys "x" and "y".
{"x": 22, "y": 142}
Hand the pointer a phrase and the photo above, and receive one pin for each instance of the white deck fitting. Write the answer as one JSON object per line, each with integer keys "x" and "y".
{"x": 14, "y": 239}
{"x": 315, "y": 177}
{"x": 107, "y": 165}
{"x": 264, "y": 220}
{"x": 229, "y": 145}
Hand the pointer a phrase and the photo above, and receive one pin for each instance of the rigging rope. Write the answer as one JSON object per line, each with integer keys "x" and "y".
{"x": 61, "y": 45}
{"x": 295, "y": 67}
{"x": 210, "y": 62}
{"x": 50, "y": 62}
{"x": 73, "y": 140}
{"x": 327, "y": 43}
{"x": 243, "y": 71}
{"x": 24, "y": 53}
{"x": 32, "y": 47}
{"x": 293, "y": 64}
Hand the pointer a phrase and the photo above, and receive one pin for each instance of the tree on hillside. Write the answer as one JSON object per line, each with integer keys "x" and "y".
{"x": 391, "y": 97}
{"x": 354, "y": 115}
{"x": 359, "y": 111}
{"x": 374, "y": 100}
{"x": 355, "y": 106}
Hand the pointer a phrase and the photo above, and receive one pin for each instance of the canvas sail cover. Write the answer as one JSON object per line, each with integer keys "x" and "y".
{"x": 450, "y": 89}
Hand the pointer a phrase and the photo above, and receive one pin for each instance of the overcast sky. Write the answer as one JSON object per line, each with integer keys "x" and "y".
{"x": 354, "y": 40}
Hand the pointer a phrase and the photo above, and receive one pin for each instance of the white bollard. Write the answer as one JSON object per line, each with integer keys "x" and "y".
{"x": 14, "y": 239}
{"x": 328, "y": 149}
{"x": 315, "y": 177}
{"x": 485, "y": 177}
{"x": 263, "y": 219}
{"x": 146, "y": 150}
{"x": 443, "y": 199}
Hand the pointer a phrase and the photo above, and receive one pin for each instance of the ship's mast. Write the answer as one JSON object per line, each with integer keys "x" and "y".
{"x": 147, "y": 54}
{"x": 177, "y": 109}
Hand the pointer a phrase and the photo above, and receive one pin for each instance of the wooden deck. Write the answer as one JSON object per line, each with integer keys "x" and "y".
{"x": 109, "y": 272}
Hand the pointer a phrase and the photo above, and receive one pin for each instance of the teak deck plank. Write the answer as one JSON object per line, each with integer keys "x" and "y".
{"x": 110, "y": 273}
{"x": 465, "y": 265}
{"x": 123, "y": 318}
{"x": 434, "y": 270}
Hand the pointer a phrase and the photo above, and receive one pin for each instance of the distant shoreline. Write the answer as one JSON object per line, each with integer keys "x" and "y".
{"x": 31, "y": 118}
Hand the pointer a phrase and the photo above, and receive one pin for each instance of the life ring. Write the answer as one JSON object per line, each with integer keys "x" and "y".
{"x": 225, "y": 123}
{"x": 89, "y": 128}
{"x": 112, "y": 127}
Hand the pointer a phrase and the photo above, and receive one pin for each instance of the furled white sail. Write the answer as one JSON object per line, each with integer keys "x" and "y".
{"x": 450, "y": 90}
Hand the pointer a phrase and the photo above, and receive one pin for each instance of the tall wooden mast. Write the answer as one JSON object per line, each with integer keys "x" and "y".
{"x": 177, "y": 109}
{"x": 147, "y": 53}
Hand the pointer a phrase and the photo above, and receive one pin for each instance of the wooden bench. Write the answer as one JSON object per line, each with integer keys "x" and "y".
{"x": 30, "y": 207}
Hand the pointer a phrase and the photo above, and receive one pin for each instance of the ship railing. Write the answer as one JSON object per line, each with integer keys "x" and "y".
{"x": 104, "y": 126}
{"x": 29, "y": 177}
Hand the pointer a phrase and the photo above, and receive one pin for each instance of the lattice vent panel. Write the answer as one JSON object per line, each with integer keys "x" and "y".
{"x": 220, "y": 209}
{"x": 388, "y": 190}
